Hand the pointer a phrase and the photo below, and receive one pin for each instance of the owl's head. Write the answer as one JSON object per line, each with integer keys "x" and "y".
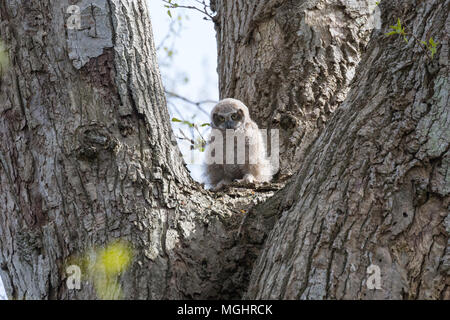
{"x": 229, "y": 114}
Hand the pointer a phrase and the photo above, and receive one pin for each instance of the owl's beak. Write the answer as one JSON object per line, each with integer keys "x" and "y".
{"x": 229, "y": 124}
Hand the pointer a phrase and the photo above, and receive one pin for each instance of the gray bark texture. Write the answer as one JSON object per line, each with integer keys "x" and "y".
{"x": 374, "y": 188}
{"x": 88, "y": 157}
{"x": 291, "y": 62}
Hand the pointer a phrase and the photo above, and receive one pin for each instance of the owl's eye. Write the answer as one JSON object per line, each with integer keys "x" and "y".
{"x": 235, "y": 116}
{"x": 219, "y": 119}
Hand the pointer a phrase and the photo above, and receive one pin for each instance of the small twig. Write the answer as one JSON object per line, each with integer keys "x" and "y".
{"x": 176, "y": 109}
{"x": 201, "y": 136}
{"x": 400, "y": 30}
{"x": 197, "y": 104}
{"x": 204, "y": 11}
{"x": 420, "y": 42}
{"x": 184, "y": 137}
{"x": 167, "y": 36}
{"x": 191, "y": 141}
{"x": 205, "y": 6}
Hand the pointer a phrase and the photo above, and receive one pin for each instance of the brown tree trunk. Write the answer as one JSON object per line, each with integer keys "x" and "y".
{"x": 374, "y": 188}
{"x": 86, "y": 155}
{"x": 87, "y": 158}
{"x": 291, "y": 62}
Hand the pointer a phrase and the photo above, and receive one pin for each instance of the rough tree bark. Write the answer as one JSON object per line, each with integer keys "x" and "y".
{"x": 87, "y": 158}
{"x": 291, "y": 62}
{"x": 86, "y": 154}
{"x": 375, "y": 186}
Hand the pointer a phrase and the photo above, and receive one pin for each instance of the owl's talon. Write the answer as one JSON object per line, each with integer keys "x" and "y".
{"x": 248, "y": 178}
{"x": 220, "y": 185}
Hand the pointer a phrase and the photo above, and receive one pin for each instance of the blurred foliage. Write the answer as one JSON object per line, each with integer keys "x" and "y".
{"x": 168, "y": 43}
{"x": 114, "y": 259}
{"x": 198, "y": 143}
{"x": 102, "y": 266}
{"x": 190, "y": 131}
{"x": 166, "y": 50}
{"x": 190, "y": 124}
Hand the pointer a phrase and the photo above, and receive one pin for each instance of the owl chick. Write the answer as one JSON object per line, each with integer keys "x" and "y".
{"x": 236, "y": 150}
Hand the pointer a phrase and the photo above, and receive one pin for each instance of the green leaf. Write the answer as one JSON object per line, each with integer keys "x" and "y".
{"x": 168, "y": 12}
{"x": 205, "y": 124}
{"x": 433, "y": 52}
{"x": 433, "y": 44}
{"x": 188, "y": 123}
{"x": 176, "y": 120}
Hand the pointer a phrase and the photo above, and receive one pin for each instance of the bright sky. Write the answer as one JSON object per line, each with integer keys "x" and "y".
{"x": 2, "y": 291}
{"x": 195, "y": 57}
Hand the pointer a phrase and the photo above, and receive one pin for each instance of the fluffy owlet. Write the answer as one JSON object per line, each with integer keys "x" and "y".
{"x": 235, "y": 150}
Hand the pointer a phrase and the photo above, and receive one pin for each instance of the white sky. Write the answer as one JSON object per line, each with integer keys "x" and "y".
{"x": 195, "y": 57}
{"x": 2, "y": 291}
